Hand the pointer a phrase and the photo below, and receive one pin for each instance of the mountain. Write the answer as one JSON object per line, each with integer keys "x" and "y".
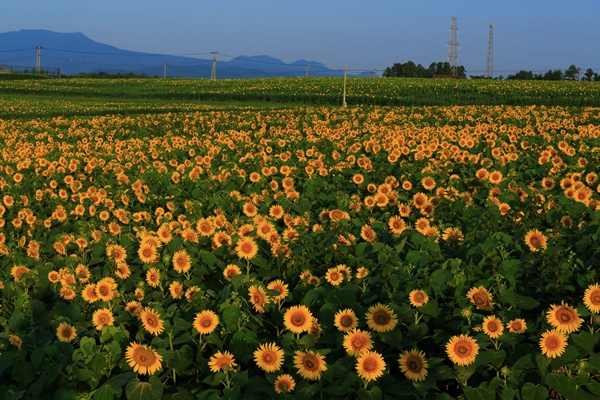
{"x": 74, "y": 53}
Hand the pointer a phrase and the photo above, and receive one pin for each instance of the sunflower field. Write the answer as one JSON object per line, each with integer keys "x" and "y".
{"x": 189, "y": 251}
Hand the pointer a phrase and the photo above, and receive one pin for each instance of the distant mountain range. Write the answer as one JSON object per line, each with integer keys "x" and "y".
{"x": 75, "y": 53}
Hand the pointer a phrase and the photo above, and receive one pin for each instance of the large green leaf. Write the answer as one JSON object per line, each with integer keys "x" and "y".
{"x": 138, "y": 390}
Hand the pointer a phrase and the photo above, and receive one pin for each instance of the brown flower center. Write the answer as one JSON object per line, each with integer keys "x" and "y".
{"x": 381, "y": 317}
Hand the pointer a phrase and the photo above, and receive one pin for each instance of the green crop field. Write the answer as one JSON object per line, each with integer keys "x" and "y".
{"x": 252, "y": 239}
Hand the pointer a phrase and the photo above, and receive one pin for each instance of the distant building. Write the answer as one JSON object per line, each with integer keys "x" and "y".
{"x": 5, "y": 70}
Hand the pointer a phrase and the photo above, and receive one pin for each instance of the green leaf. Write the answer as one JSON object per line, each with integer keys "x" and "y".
{"x": 567, "y": 387}
{"x": 511, "y": 270}
{"x": 479, "y": 393}
{"x": 373, "y": 394}
{"x": 122, "y": 379}
{"x": 151, "y": 390}
{"x": 182, "y": 358}
{"x": 585, "y": 340}
{"x": 208, "y": 258}
{"x": 534, "y": 392}
{"x": 106, "y": 392}
{"x": 430, "y": 308}
{"x": 508, "y": 393}
{"x": 310, "y": 297}
{"x": 87, "y": 345}
{"x": 524, "y": 363}
{"x": 231, "y": 316}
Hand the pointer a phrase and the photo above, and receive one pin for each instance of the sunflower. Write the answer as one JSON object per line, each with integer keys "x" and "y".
{"x": 164, "y": 233}
{"x": 345, "y": 320}
{"x": 246, "y": 248}
{"x": 357, "y": 342}
{"x": 143, "y": 359}
{"x": 368, "y": 234}
{"x": 462, "y": 349}
{"x": 134, "y": 308}
{"x": 481, "y": 298}
{"x": 280, "y": 287}
{"x": 334, "y": 276}
{"x": 564, "y": 318}
{"x": 206, "y": 322}
{"x": 221, "y": 361}
{"x": 205, "y": 227}
{"x": 104, "y": 289}
{"x": 230, "y": 271}
{"x": 420, "y": 199}
{"x": 182, "y": 261}
{"x": 553, "y": 343}
{"x": 176, "y": 290}
{"x": 258, "y": 298}
{"x": 495, "y": 177}
{"x": 102, "y": 317}
{"x": 153, "y": 277}
{"x": 418, "y": 298}
{"x": 370, "y": 365}
{"x": 147, "y": 253}
{"x": 381, "y": 318}
{"x": 119, "y": 254}
{"x": 298, "y": 319}
{"x": 284, "y": 383}
{"x": 151, "y": 321}
{"x": 492, "y": 327}
{"x": 397, "y": 225}
{"x": 67, "y": 293}
{"x": 123, "y": 271}
{"x": 264, "y": 229}
{"x": 536, "y": 240}
{"x": 310, "y": 364}
{"x": 65, "y": 332}
{"x": 591, "y": 298}
{"x": 517, "y": 325}
{"x": 414, "y": 365}
{"x": 249, "y": 209}
{"x": 428, "y": 183}
{"x": 88, "y": 293}
{"x": 269, "y": 357}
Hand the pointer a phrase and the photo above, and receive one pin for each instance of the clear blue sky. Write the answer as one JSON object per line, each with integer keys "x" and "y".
{"x": 530, "y": 35}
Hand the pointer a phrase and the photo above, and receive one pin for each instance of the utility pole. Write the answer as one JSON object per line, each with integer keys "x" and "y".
{"x": 307, "y": 70}
{"x": 489, "y": 70}
{"x": 344, "y": 98}
{"x": 453, "y": 47}
{"x": 213, "y": 74}
{"x": 38, "y": 59}
{"x": 374, "y": 73}
{"x": 165, "y": 72}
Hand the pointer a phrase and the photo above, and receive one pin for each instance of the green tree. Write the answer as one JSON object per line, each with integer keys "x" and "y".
{"x": 555, "y": 75}
{"x": 589, "y": 75}
{"x": 522, "y": 75}
{"x": 572, "y": 73}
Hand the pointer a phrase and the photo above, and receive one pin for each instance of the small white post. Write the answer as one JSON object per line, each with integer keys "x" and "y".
{"x": 165, "y": 72}
{"x": 344, "y": 99}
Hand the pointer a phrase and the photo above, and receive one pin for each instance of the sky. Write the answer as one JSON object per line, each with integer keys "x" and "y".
{"x": 528, "y": 35}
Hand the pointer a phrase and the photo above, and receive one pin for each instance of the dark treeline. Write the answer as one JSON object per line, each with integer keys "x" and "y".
{"x": 411, "y": 70}
{"x": 570, "y": 74}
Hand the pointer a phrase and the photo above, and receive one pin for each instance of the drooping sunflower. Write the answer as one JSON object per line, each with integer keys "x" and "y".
{"x": 492, "y": 327}
{"x": 269, "y": 357}
{"x": 370, "y": 365}
{"x": 535, "y": 240}
{"x": 102, "y": 317}
{"x": 564, "y": 318}
{"x": 517, "y": 325}
{"x": 284, "y": 383}
{"x": 357, "y": 342}
{"x": 345, "y": 320}
{"x": 279, "y": 286}
{"x": 381, "y": 318}
{"x": 182, "y": 261}
{"x": 591, "y": 298}
{"x": 418, "y": 298}
{"x": 206, "y": 322}
{"x": 246, "y": 248}
{"x": 221, "y": 361}
{"x": 553, "y": 343}
{"x": 258, "y": 298}
{"x": 414, "y": 365}
{"x": 65, "y": 332}
{"x": 298, "y": 319}
{"x": 142, "y": 359}
{"x": 462, "y": 349}
{"x": 151, "y": 321}
{"x": 310, "y": 365}
{"x": 481, "y": 298}
{"x": 334, "y": 276}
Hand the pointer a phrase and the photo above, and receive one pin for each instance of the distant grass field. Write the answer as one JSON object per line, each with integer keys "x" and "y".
{"x": 319, "y": 91}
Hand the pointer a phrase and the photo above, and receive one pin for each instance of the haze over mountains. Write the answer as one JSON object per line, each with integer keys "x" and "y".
{"x": 75, "y": 53}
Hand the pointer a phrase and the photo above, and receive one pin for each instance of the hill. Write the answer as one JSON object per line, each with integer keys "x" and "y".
{"x": 74, "y": 53}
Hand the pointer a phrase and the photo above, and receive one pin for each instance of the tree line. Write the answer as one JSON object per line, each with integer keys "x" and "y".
{"x": 411, "y": 70}
{"x": 573, "y": 73}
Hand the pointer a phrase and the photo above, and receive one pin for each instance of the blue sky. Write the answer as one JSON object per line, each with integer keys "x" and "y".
{"x": 528, "y": 35}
